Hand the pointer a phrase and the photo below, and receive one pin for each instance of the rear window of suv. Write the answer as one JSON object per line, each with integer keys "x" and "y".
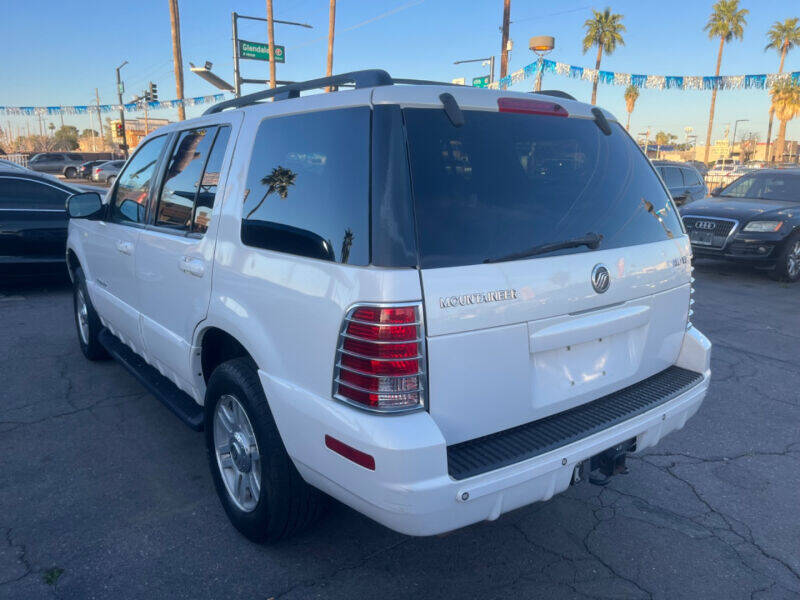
{"x": 503, "y": 183}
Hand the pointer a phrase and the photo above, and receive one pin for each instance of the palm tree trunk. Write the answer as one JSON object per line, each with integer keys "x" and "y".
{"x": 628, "y": 124}
{"x": 772, "y": 112}
{"x": 713, "y": 102}
{"x": 781, "y": 141}
{"x": 597, "y": 75}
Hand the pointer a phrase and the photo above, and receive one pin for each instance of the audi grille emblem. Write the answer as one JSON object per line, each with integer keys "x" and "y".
{"x": 601, "y": 279}
{"x": 704, "y": 225}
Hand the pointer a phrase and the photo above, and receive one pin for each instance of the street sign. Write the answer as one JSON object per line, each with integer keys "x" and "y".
{"x": 259, "y": 51}
{"x": 480, "y": 81}
{"x": 459, "y": 81}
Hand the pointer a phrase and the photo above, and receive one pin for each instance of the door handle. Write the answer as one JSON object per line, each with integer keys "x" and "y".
{"x": 125, "y": 247}
{"x": 192, "y": 266}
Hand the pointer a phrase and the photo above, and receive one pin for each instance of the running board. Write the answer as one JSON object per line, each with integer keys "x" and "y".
{"x": 175, "y": 399}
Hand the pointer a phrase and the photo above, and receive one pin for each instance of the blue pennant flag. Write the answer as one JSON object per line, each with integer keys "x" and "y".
{"x": 638, "y": 80}
{"x": 575, "y": 72}
{"x": 673, "y": 82}
{"x": 711, "y": 83}
{"x": 605, "y": 76}
{"x": 755, "y": 81}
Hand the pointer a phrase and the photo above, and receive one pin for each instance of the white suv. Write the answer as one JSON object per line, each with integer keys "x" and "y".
{"x": 434, "y": 303}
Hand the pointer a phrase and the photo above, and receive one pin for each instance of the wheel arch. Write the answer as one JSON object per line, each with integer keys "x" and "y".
{"x": 215, "y": 345}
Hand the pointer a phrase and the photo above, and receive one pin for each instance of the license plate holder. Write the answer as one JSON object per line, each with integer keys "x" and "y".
{"x": 701, "y": 238}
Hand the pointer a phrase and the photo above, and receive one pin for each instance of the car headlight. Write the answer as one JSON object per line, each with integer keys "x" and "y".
{"x": 763, "y": 226}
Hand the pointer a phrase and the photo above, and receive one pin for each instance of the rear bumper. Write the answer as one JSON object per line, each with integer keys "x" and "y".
{"x": 410, "y": 489}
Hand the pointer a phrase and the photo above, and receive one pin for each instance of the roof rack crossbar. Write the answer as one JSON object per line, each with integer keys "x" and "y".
{"x": 357, "y": 79}
{"x": 361, "y": 79}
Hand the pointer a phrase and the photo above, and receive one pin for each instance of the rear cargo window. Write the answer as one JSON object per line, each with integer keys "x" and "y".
{"x": 308, "y": 186}
{"x": 503, "y": 183}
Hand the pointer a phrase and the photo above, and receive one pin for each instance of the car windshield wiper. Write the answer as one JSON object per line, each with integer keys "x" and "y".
{"x": 591, "y": 240}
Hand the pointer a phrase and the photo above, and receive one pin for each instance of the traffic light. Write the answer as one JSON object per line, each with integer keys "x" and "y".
{"x": 119, "y": 130}
{"x": 153, "y": 92}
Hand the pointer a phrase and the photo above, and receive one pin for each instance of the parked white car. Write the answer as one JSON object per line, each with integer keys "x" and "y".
{"x": 434, "y": 303}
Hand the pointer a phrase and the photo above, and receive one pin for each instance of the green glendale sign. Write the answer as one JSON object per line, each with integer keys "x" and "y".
{"x": 258, "y": 51}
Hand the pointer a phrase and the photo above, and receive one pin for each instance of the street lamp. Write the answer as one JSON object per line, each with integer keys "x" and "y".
{"x": 120, "y": 90}
{"x": 541, "y": 45}
{"x": 212, "y": 78}
{"x": 481, "y": 60}
{"x": 735, "y": 125}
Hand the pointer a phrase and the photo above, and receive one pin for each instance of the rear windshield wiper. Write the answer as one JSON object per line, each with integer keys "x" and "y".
{"x": 591, "y": 240}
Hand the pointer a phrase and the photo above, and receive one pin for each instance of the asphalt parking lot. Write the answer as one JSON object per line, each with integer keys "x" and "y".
{"x": 104, "y": 494}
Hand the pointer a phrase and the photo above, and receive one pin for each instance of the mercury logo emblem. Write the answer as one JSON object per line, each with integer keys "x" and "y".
{"x": 601, "y": 280}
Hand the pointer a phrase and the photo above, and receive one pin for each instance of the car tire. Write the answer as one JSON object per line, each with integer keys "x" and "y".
{"x": 260, "y": 489}
{"x": 70, "y": 172}
{"x": 110, "y": 180}
{"x": 787, "y": 267}
{"x": 87, "y": 322}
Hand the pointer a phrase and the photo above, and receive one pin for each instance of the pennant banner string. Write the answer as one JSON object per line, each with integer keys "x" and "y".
{"x": 657, "y": 82}
{"x": 106, "y": 108}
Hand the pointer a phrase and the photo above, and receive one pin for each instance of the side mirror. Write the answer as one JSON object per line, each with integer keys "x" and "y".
{"x": 87, "y": 205}
{"x": 716, "y": 191}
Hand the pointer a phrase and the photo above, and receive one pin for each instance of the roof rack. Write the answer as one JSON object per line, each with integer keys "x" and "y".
{"x": 555, "y": 93}
{"x": 358, "y": 79}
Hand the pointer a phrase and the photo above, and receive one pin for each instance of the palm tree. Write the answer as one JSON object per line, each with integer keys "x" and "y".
{"x": 604, "y": 30}
{"x": 726, "y": 22}
{"x": 786, "y": 106}
{"x": 278, "y": 181}
{"x": 782, "y": 38}
{"x": 631, "y": 96}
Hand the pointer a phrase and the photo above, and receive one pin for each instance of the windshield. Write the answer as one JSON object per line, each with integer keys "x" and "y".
{"x": 503, "y": 183}
{"x": 766, "y": 186}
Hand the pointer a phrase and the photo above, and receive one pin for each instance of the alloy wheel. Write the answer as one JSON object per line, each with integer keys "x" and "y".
{"x": 238, "y": 458}
{"x": 793, "y": 260}
{"x": 82, "y": 312}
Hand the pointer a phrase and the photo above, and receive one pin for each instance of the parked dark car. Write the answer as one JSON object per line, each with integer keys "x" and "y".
{"x": 33, "y": 223}
{"x": 755, "y": 219}
{"x": 85, "y": 169}
{"x": 684, "y": 182}
{"x": 65, "y": 163}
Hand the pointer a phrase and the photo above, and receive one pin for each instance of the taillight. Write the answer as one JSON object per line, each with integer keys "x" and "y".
{"x": 531, "y": 107}
{"x": 380, "y": 358}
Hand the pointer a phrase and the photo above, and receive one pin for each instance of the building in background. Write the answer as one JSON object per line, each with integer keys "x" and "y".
{"x": 136, "y": 129}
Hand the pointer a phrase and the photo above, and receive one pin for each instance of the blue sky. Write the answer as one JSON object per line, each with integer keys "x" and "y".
{"x": 57, "y": 52}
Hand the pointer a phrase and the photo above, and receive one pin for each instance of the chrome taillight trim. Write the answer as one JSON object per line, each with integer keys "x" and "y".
{"x": 365, "y": 357}
{"x": 421, "y": 356}
{"x": 358, "y": 338}
{"x": 366, "y": 391}
{"x": 356, "y": 371}
{"x": 362, "y": 322}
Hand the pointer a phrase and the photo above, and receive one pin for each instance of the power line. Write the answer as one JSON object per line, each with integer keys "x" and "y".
{"x": 388, "y": 13}
{"x": 553, "y": 14}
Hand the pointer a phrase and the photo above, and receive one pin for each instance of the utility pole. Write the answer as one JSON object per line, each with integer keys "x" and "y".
{"x": 504, "y": 49}
{"x": 237, "y": 86}
{"x": 175, "y": 22}
{"x": 121, "y": 89}
{"x": 271, "y": 34}
{"x": 99, "y": 118}
{"x": 331, "y": 28}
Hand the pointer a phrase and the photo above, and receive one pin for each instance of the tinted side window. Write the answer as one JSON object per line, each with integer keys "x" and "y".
{"x": 691, "y": 177}
{"x": 26, "y": 194}
{"x": 182, "y": 178}
{"x": 210, "y": 182}
{"x": 308, "y": 186}
{"x": 673, "y": 177}
{"x": 129, "y": 200}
